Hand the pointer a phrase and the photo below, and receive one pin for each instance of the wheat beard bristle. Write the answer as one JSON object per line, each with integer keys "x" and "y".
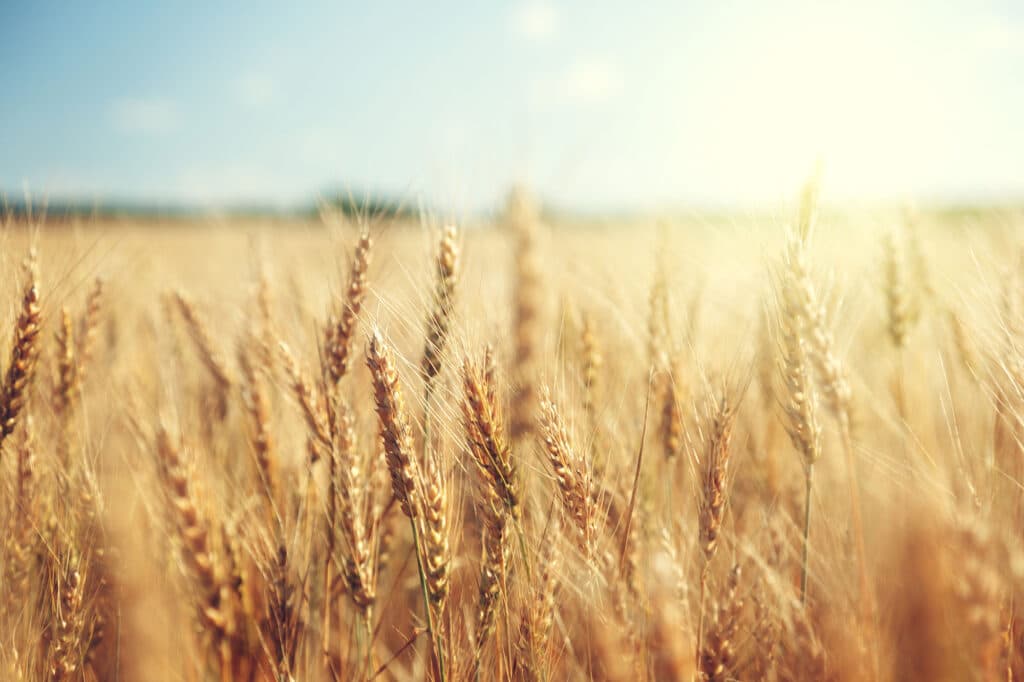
{"x": 394, "y": 425}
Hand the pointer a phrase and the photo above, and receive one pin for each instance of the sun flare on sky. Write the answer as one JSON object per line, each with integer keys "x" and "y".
{"x": 890, "y": 106}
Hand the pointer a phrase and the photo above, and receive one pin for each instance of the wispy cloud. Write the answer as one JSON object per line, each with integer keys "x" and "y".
{"x": 144, "y": 115}
{"x": 535, "y": 20}
{"x": 592, "y": 79}
{"x": 254, "y": 89}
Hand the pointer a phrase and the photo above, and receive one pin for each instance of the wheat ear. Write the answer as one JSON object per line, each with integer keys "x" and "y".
{"x": 24, "y": 353}
{"x": 341, "y": 331}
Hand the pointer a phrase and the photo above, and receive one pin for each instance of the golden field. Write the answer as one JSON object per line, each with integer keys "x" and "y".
{"x": 731, "y": 448}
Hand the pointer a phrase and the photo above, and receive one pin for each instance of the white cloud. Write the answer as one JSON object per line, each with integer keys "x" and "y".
{"x": 144, "y": 115}
{"x": 535, "y": 20}
{"x": 255, "y": 89}
{"x": 592, "y": 80}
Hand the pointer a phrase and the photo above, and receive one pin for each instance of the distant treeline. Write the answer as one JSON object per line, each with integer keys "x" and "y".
{"x": 59, "y": 209}
{"x": 350, "y": 204}
{"x": 380, "y": 206}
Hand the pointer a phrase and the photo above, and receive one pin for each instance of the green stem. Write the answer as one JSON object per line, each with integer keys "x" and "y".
{"x": 435, "y": 636}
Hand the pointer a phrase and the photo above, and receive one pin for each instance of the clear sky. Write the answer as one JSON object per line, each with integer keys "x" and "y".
{"x": 596, "y": 105}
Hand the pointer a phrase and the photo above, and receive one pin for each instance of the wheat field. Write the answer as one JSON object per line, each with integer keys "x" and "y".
{"x": 779, "y": 447}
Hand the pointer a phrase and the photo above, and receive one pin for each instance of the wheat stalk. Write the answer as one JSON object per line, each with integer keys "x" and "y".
{"x": 396, "y": 436}
{"x": 439, "y": 319}
{"x": 24, "y": 353}
{"x": 714, "y": 495}
{"x": 485, "y": 433}
{"x": 340, "y": 332}
{"x": 88, "y": 326}
{"x": 572, "y": 474}
{"x": 800, "y": 406}
{"x": 522, "y": 218}
{"x": 208, "y": 353}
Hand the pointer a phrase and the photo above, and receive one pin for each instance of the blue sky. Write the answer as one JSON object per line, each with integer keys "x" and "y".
{"x": 596, "y": 105}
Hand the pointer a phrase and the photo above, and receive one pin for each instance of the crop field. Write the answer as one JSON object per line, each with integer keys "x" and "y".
{"x": 745, "y": 448}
